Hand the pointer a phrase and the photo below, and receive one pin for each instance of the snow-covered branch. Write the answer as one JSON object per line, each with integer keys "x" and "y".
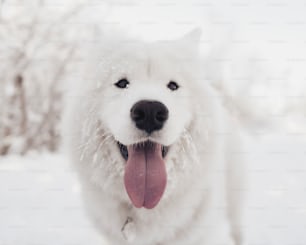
{"x": 36, "y": 47}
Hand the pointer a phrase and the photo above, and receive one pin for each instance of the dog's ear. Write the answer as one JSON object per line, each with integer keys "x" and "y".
{"x": 194, "y": 36}
{"x": 190, "y": 42}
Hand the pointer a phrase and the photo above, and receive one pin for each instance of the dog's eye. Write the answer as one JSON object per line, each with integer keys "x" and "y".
{"x": 173, "y": 85}
{"x": 122, "y": 83}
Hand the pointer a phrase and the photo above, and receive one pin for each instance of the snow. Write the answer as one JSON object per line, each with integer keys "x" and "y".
{"x": 276, "y": 203}
{"x": 40, "y": 203}
{"x": 40, "y": 197}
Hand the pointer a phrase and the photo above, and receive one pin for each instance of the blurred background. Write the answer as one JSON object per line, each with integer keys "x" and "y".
{"x": 254, "y": 54}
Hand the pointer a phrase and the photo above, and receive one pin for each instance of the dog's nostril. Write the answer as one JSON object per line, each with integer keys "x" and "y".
{"x": 149, "y": 115}
{"x": 138, "y": 115}
{"x": 161, "y": 116}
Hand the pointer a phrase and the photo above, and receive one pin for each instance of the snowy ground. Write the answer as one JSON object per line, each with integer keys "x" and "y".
{"x": 40, "y": 203}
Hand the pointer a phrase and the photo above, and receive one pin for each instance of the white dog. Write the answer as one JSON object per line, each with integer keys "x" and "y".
{"x": 148, "y": 136}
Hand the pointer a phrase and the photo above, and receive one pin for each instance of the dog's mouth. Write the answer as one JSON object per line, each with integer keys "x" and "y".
{"x": 125, "y": 154}
{"x": 145, "y": 174}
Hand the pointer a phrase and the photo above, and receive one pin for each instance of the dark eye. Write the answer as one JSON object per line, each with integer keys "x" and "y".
{"x": 173, "y": 85}
{"x": 122, "y": 83}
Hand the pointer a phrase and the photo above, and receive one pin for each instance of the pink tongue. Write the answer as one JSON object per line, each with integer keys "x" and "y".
{"x": 145, "y": 175}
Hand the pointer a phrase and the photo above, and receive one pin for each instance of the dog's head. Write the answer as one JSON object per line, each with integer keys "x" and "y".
{"x": 147, "y": 89}
{"x": 146, "y": 104}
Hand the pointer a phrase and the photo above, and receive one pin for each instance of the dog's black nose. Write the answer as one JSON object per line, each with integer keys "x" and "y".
{"x": 149, "y": 115}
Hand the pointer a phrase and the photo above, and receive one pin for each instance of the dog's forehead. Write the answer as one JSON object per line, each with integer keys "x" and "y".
{"x": 141, "y": 62}
{"x": 148, "y": 53}
{"x": 145, "y": 59}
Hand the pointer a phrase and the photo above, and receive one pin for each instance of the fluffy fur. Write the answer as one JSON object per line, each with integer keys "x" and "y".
{"x": 200, "y": 135}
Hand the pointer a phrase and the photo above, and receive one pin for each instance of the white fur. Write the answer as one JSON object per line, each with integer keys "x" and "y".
{"x": 198, "y": 132}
